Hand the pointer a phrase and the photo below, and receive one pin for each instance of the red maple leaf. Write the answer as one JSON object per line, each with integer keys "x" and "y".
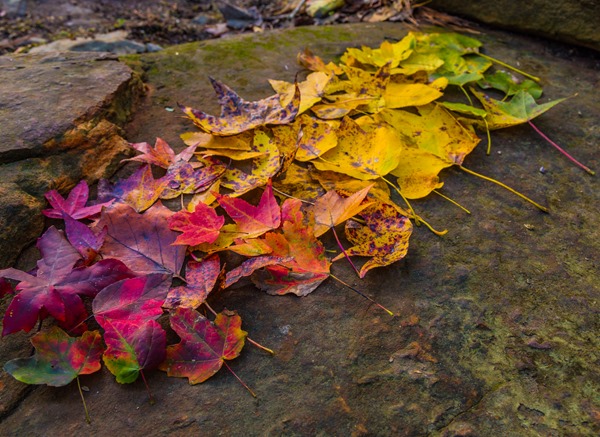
{"x": 162, "y": 155}
{"x": 204, "y": 345}
{"x": 74, "y": 204}
{"x": 255, "y": 220}
{"x": 200, "y": 226}
{"x": 138, "y": 299}
{"x": 297, "y": 262}
{"x": 56, "y": 287}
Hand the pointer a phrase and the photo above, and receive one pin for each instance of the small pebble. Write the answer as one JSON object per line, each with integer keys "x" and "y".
{"x": 543, "y": 170}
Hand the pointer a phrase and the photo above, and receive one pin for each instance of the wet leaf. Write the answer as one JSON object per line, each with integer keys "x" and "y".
{"x": 204, "y": 345}
{"x": 81, "y": 237}
{"x": 239, "y": 115}
{"x": 311, "y": 89}
{"x": 58, "y": 358}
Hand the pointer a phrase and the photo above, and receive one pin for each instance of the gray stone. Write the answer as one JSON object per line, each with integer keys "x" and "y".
{"x": 573, "y": 21}
{"x": 60, "y": 124}
{"x": 114, "y": 42}
{"x": 457, "y": 359}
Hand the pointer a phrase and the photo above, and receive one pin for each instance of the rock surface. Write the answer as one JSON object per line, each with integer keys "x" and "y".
{"x": 60, "y": 123}
{"x": 564, "y": 20}
{"x": 497, "y": 322}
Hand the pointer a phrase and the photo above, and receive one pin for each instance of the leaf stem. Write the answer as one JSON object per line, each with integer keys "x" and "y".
{"x": 361, "y": 293}
{"x": 291, "y": 197}
{"x": 87, "y": 414}
{"x": 150, "y": 395}
{"x": 410, "y": 208}
{"x": 260, "y": 346}
{"x": 339, "y": 243}
{"x": 238, "y": 378}
{"x": 489, "y": 137}
{"x": 561, "y": 150}
{"x": 522, "y": 196}
{"x": 462, "y": 88}
{"x": 537, "y": 79}
{"x": 452, "y": 201}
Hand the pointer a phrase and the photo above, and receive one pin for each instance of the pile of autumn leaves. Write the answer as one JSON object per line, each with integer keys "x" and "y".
{"x": 331, "y": 146}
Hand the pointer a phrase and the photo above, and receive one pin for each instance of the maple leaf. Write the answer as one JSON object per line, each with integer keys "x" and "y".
{"x": 139, "y": 299}
{"x": 392, "y": 53}
{"x": 510, "y": 84}
{"x": 81, "y": 237}
{"x": 200, "y": 226}
{"x": 363, "y": 150}
{"x": 262, "y": 168}
{"x": 182, "y": 178}
{"x": 74, "y": 204}
{"x": 200, "y": 278}
{"x": 140, "y": 190}
{"x": 317, "y": 138}
{"x": 56, "y": 287}
{"x": 332, "y": 209}
{"x": 133, "y": 346}
{"x": 58, "y": 358}
{"x": 520, "y": 109}
{"x": 297, "y": 262}
{"x": 162, "y": 155}
{"x": 312, "y": 62}
{"x": 204, "y": 345}
{"x": 383, "y": 237}
{"x": 311, "y": 89}
{"x": 143, "y": 242}
{"x": 248, "y": 267}
{"x": 254, "y": 220}
{"x": 239, "y": 115}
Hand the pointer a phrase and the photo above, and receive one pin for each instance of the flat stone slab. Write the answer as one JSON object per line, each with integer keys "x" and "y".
{"x": 496, "y": 331}
{"x": 43, "y": 96}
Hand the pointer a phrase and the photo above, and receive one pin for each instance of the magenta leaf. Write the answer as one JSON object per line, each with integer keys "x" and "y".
{"x": 201, "y": 278}
{"x": 73, "y": 205}
{"x": 133, "y": 346}
{"x": 56, "y": 288}
{"x": 161, "y": 155}
{"x": 143, "y": 242}
{"x": 81, "y": 237}
{"x": 137, "y": 299}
